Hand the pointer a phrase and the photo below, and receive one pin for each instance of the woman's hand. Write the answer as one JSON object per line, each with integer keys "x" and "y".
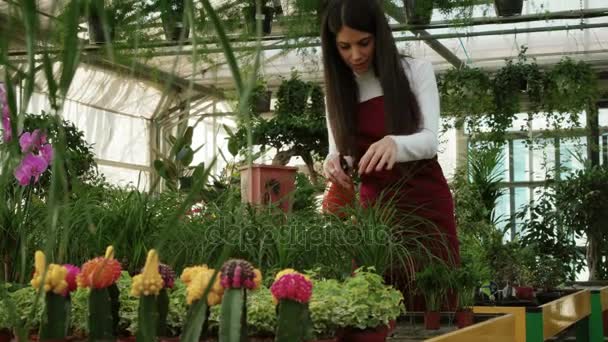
{"x": 380, "y": 155}
{"x": 333, "y": 171}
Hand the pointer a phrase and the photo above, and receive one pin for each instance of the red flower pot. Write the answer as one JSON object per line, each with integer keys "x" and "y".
{"x": 337, "y": 199}
{"x": 127, "y": 339}
{"x": 378, "y": 334}
{"x": 168, "y": 339}
{"x": 464, "y": 318}
{"x": 432, "y": 320}
{"x": 524, "y": 292}
{"x": 392, "y": 324}
{"x": 5, "y": 335}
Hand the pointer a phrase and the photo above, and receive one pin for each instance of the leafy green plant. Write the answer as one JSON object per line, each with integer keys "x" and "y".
{"x": 510, "y": 262}
{"x": 466, "y": 280}
{"x": 175, "y": 167}
{"x": 543, "y": 231}
{"x": 510, "y": 83}
{"x": 571, "y": 89}
{"x": 548, "y": 273}
{"x": 466, "y": 94}
{"x": 328, "y": 308}
{"x": 297, "y": 129}
{"x": 582, "y": 199}
{"x": 371, "y": 303}
{"x": 305, "y": 193}
{"x": 433, "y": 282}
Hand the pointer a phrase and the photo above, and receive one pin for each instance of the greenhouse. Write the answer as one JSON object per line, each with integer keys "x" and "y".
{"x": 304, "y": 170}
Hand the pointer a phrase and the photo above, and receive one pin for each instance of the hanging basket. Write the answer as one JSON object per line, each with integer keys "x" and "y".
{"x": 96, "y": 27}
{"x": 508, "y": 8}
{"x": 250, "y": 20}
{"x": 418, "y": 12}
{"x": 173, "y": 29}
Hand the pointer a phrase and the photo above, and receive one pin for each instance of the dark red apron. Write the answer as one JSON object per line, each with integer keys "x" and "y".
{"x": 417, "y": 189}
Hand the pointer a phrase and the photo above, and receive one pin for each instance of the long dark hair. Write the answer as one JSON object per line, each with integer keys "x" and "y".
{"x": 401, "y": 108}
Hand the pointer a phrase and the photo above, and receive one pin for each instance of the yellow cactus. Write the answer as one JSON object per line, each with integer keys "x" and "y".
{"x": 258, "y": 278}
{"x": 190, "y": 272}
{"x": 197, "y": 279}
{"x": 110, "y": 252}
{"x": 54, "y": 280}
{"x": 149, "y": 282}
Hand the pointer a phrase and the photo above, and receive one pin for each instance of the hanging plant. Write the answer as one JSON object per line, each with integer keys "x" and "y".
{"x": 466, "y": 93}
{"x": 571, "y": 88}
{"x": 512, "y": 82}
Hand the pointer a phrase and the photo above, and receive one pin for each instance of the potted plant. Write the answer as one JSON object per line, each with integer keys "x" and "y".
{"x": 466, "y": 282}
{"x": 372, "y": 307}
{"x": 571, "y": 88}
{"x": 466, "y": 94}
{"x": 249, "y": 11}
{"x": 296, "y": 129}
{"x": 508, "y": 8}
{"x": 328, "y": 306}
{"x": 259, "y": 102}
{"x": 547, "y": 275}
{"x": 172, "y": 16}
{"x": 513, "y": 81}
{"x": 433, "y": 283}
{"x": 104, "y": 19}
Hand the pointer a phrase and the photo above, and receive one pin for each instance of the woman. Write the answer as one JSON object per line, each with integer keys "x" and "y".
{"x": 383, "y": 110}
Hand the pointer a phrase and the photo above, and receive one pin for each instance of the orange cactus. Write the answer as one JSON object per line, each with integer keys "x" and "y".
{"x": 99, "y": 273}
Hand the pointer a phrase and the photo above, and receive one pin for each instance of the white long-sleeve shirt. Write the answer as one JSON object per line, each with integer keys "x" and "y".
{"x": 424, "y": 143}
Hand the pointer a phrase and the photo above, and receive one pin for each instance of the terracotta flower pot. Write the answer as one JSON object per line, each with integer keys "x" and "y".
{"x": 5, "y": 335}
{"x": 464, "y": 318}
{"x": 265, "y": 184}
{"x": 524, "y": 292}
{"x": 377, "y": 334}
{"x": 432, "y": 320}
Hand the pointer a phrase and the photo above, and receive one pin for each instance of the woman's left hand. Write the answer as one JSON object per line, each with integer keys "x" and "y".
{"x": 380, "y": 155}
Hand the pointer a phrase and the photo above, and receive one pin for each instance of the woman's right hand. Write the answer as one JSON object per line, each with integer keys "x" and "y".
{"x": 333, "y": 171}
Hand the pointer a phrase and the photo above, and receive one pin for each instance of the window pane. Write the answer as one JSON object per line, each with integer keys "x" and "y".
{"x": 522, "y": 198}
{"x": 543, "y": 159}
{"x": 502, "y": 211}
{"x": 572, "y": 153}
{"x": 521, "y": 165}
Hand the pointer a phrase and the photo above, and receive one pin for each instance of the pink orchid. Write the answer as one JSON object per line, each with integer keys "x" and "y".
{"x": 46, "y": 151}
{"x": 32, "y": 141}
{"x": 31, "y": 166}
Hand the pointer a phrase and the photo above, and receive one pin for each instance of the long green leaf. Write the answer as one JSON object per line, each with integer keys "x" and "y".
{"x": 71, "y": 52}
{"x": 30, "y": 21}
{"x": 197, "y": 316}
